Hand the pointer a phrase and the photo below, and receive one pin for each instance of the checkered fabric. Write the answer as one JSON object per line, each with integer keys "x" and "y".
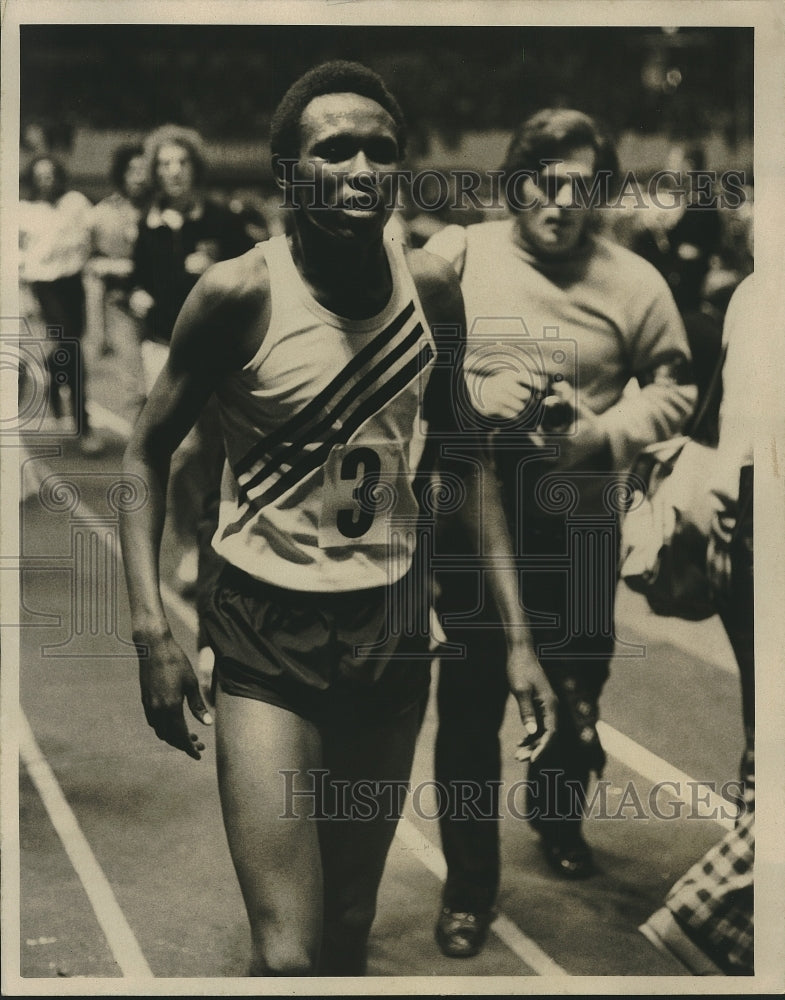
{"x": 747, "y": 773}
{"x": 713, "y": 901}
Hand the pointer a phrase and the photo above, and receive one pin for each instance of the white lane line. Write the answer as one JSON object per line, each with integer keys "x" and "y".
{"x": 120, "y": 938}
{"x": 504, "y": 928}
{"x": 111, "y": 919}
{"x": 679, "y": 785}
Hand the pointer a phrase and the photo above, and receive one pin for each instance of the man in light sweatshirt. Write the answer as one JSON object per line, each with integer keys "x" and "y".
{"x": 560, "y": 321}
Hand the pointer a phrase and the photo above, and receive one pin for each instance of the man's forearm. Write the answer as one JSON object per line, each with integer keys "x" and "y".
{"x": 140, "y": 537}
{"x": 526, "y": 678}
{"x": 483, "y": 508}
{"x": 654, "y": 414}
{"x": 497, "y": 549}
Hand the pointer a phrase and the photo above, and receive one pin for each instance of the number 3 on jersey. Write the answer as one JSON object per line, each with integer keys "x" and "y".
{"x": 363, "y": 466}
{"x": 364, "y": 486}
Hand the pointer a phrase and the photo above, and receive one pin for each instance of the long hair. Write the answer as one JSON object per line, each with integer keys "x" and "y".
{"x": 176, "y": 135}
{"x": 120, "y": 160}
{"x": 28, "y": 180}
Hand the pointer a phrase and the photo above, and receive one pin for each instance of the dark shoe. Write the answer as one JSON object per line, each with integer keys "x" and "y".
{"x": 462, "y": 934}
{"x": 572, "y": 861}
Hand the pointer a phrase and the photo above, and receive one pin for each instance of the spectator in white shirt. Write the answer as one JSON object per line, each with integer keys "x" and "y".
{"x": 54, "y": 243}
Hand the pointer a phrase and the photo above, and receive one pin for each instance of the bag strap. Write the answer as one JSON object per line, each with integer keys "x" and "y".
{"x": 698, "y": 427}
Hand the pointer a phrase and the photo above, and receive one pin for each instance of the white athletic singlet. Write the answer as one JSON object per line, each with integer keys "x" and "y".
{"x": 323, "y": 434}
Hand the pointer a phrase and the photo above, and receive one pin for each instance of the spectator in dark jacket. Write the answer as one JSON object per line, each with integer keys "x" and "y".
{"x": 183, "y": 233}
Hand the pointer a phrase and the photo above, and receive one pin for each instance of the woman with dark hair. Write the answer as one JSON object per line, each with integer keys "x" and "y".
{"x": 115, "y": 219}
{"x": 54, "y": 243}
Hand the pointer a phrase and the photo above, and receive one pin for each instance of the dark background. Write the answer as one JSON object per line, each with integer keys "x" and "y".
{"x": 676, "y": 84}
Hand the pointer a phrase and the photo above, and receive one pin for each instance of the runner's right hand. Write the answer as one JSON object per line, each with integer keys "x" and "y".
{"x": 166, "y": 678}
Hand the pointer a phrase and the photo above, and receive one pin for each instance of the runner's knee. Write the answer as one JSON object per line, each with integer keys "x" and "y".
{"x": 283, "y": 957}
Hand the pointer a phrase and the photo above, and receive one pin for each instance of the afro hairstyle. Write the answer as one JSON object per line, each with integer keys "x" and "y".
{"x": 336, "y": 77}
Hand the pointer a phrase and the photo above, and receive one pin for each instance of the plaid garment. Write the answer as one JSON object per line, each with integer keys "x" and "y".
{"x": 713, "y": 901}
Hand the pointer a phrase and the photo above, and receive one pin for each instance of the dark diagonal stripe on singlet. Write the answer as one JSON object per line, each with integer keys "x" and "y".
{"x": 318, "y": 456}
{"x": 321, "y": 399}
{"x": 288, "y": 453}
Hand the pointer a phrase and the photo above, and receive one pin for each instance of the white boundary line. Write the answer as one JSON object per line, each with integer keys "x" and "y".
{"x": 111, "y": 918}
{"x": 657, "y": 770}
{"x": 120, "y": 938}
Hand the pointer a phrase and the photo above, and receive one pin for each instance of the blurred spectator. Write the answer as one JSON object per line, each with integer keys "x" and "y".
{"x": 432, "y": 201}
{"x": 54, "y": 244}
{"x": 707, "y": 921}
{"x": 115, "y": 220}
{"x": 738, "y": 246}
{"x": 249, "y": 207}
{"x": 34, "y": 139}
{"x": 182, "y": 234}
{"x": 114, "y": 225}
{"x": 33, "y": 142}
{"x": 559, "y": 321}
{"x": 681, "y": 238}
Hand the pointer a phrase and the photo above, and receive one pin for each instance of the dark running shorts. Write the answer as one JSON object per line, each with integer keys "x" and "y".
{"x": 299, "y": 650}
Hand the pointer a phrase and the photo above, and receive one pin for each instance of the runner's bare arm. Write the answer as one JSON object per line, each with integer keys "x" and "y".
{"x": 218, "y": 330}
{"x": 482, "y": 516}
